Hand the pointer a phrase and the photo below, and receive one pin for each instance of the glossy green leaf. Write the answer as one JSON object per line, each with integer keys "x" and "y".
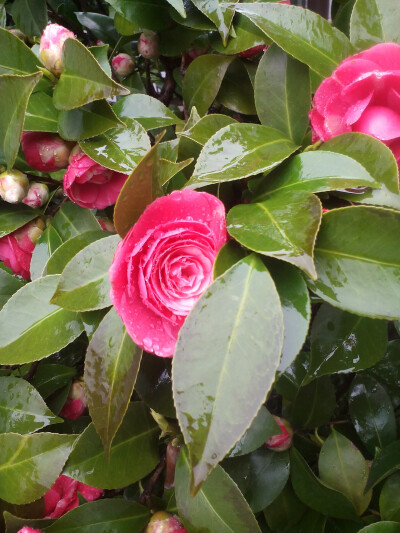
{"x": 179, "y": 6}
{"x": 382, "y": 527}
{"x": 212, "y": 362}
{"x": 29, "y": 465}
{"x": 311, "y": 521}
{"x": 111, "y": 367}
{"x": 41, "y": 115}
{"x": 372, "y": 413}
{"x": 14, "y": 95}
{"x": 119, "y": 149}
{"x": 203, "y": 79}
{"x": 30, "y": 16}
{"x": 22, "y": 409}
{"x": 71, "y": 220}
{"x": 218, "y": 507}
{"x": 343, "y": 342}
{"x": 84, "y": 284}
{"x": 154, "y": 384}
{"x": 148, "y": 111}
{"x": 285, "y": 511}
{"x": 314, "y": 404}
{"x": 150, "y": 14}
{"x": 205, "y": 128}
{"x": 289, "y": 382}
{"x": 15, "y": 523}
{"x": 101, "y": 55}
{"x": 87, "y": 121}
{"x": 228, "y": 255}
{"x": 46, "y": 245}
{"x": 166, "y": 170}
{"x": 194, "y": 18}
{"x": 358, "y": 269}
{"x": 50, "y": 377}
{"x": 15, "y": 56}
{"x": 385, "y": 463}
{"x": 8, "y": 285}
{"x": 387, "y": 371}
{"x": 378, "y": 160}
{"x": 315, "y": 493}
{"x": 13, "y": 217}
{"x": 247, "y": 35}
{"x": 373, "y": 22}
{"x": 284, "y": 226}
{"x": 220, "y": 16}
{"x": 35, "y": 328}
{"x": 282, "y": 93}
{"x": 238, "y": 151}
{"x": 342, "y": 467}
{"x": 82, "y": 79}
{"x": 389, "y": 499}
{"x": 301, "y": 33}
{"x": 236, "y": 92}
{"x": 133, "y": 454}
{"x": 315, "y": 172}
{"x": 101, "y": 26}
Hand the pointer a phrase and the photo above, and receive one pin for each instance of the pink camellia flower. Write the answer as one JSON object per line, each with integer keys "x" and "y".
{"x": 38, "y": 194}
{"x": 17, "y": 247}
{"x": 363, "y": 95}
{"x": 282, "y": 441}
{"x": 90, "y": 185}
{"x": 63, "y": 496}
{"x": 123, "y": 64}
{"x": 162, "y": 522}
{"x": 45, "y": 152}
{"x": 164, "y": 264}
{"x": 76, "y": 403}
{"x": 51, "y": 45}
{"x": 27, "y": 529}
{"x": 148, "y": 44}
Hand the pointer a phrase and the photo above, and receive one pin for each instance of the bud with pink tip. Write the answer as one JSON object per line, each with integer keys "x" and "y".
{"x": 51, "y": 45}
{"x": 123, "y": 64}
{"x": 27, "y": 529}
{"x": 76, "y": 404}
{"x": 148, "y": 44}
{"x": 45, "y": 152}
{"x": 38, "y": 194}
{"x": 162, "y": 522}
{"x": 14, "y": 186}
{"x": 282, "y": 441}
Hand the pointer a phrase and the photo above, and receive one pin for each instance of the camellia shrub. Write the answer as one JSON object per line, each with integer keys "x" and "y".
{"x": 200, "y": 267}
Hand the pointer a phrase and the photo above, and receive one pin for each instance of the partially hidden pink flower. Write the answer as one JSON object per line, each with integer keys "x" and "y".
{"x": 123, "y": 64}
{"x": 27, "y": 529}
{"x": 16, "y": 248}
{"x": 162, "y": 522}
{"x": 282, "y": 441}
{"x": 45, "y": 152}
{"x": 38, "y": 194}
{"x": 91, "y": 185}
{"x": 362, "y": 95}
{"x": 51, "y": 46}
{"x": 164, "y": 264}
{"x": 76, "y": 403}
{"x": 63, "y": 496}
{"x": 148, "y": 44}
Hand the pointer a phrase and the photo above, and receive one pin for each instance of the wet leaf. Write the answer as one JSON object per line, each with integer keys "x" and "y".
{"x": 373, "y": 22}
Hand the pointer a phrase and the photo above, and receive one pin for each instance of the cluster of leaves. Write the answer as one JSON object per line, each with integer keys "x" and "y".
{"x": 303, "y": 311}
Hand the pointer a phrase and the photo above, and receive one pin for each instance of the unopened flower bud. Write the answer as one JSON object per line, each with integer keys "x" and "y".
{"x": 123, "y": 65}
{"x": 34, "y": 229}
{"x": 252, "y": 52}
{"x": 14, "y": 186}
{"x": 38, "y": 194}
{"x": 76, "y": 404}
{"x": 27, "y": 529}
{"x": 45, "y": 152}
{"x": 162, "y": 522}
{"x": 148, "y": 44}
{"x": 282, "y": 441}
{"x": 51, "y": 45}
{"x": 171, "y": 458}
{"x": 106, "y": 224}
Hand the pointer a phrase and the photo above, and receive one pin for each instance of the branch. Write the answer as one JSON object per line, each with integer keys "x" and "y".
{"x": 146, "y": 494}
{"x": 169, "y": 85}
{"x": 149, "y": 86}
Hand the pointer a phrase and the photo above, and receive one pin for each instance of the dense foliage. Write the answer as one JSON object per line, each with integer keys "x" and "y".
{"x": 200, "y": 266}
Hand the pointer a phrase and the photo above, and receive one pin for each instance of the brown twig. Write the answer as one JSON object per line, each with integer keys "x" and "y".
{"x": 169, "y": 84}
{"x": 149, "y": 86}
{"x": 31, "y": 371}
{"x": 145, "y": 497}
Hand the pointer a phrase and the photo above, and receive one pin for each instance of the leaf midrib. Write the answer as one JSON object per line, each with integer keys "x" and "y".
{"x": 356, "y": 257}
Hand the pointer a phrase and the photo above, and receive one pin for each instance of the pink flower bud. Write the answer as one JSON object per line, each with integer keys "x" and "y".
{"x": 106, "y": 224}
{"x": 171, "y": 458}
{"x": 38, "y": 194}
{"x": 162, "y": 522}
{"x": 148, "y": 44}
{"x": 252, "y": 52}
{"x": 76, "y": 404}
{"x": 51, "y": 45}
{"x": 14, "y": 186}
{"x": 27, "y": 529}
{"x": 45, "y": 152}
{"x": 283, "y": 441}
{"x": 123, "y": 65}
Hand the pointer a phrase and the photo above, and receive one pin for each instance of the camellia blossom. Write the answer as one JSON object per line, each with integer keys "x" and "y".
{"x": 51, "y": 45}
{"x": 63, "y": 496}
{"x": 162, "y": 522}
{"x": 363, "y": 95}
{"x": 27, "y": 529}
{"x": 91, "y": 185}
{"x": 76, "y": 404}
{"x": 164, "y": 264}
{"x": 282, "y": 441}
{"x": 38, "y": 194}
{"x": 45, "y": 152}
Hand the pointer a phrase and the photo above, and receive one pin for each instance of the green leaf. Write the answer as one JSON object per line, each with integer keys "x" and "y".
{"x": 386, "y": 462}
{"x": 203, "y": 79}
{"x": 343, "y": 342}
{"x": 87, "y": 121}
{"x": 179, "y": 6}
{"x": 218, "y": 507}
{"x": 73, "y": 220}
{"x": 101, "y": 55}
{"x": 378, "y": 160}
{"x": 238, "y": 151}
{"x": 382, "y": 527}
{"x": 301, "y": 33}
{"x": 205, "y": 128}
{"x": 373, "y": 22}
{"x": 22, "y": 409}
{"x": 315, "y": 172}
{"x": 236, "y": 92}
{"x": 222, "y": 349}
{"x": 101, "y": 26}
{"x": 119, "y": 149}
{"x": 14, "y": 95}
{"x": 220, "y": 16}
{"x": 284, "y": 226}
{"x": 315, "y": 493}
{"x": 285, "y": 511}
{"x": 41, "y": 115}
{"x": 15, "y": 56}
{"x": 82, "y": 79}
{"x": 8, "y": 285}
{"x": 15, "y": 523}
{"x": 111, "y": 367}
{"x": 46, "y": 245}
{"x": 342, "y": 467}
{"x": 35, "y": 328}
{"x": 50, "y": 377}
{"x": 137, "y": 437}
{"x": 314, "y": 404}
{"x": 387, "y": 371}
{"x": 358, "y": 270}
{"x": 372, "y": 413}
{"x": 31, "y": 464}
{"x": 247, "y": 36}
{"x": 30, "y": 16}
{"x": 13, "y": 217}
{"x": 148, "y": 111}
{"x": 289, "y": 382}
{"x": 150, "y": 14}
{"x": 389, "y": 499}
{"x": 287, "y": 84}
{"x": 194, "y": 18}
{"x": 84, "y": 283}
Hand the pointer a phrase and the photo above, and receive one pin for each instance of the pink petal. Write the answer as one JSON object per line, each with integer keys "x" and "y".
{"x": 386, "y": 55}
{"x": 380, "y": 122}
{"x": 328, "y": 89}
{"x": 352, "y": 68}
